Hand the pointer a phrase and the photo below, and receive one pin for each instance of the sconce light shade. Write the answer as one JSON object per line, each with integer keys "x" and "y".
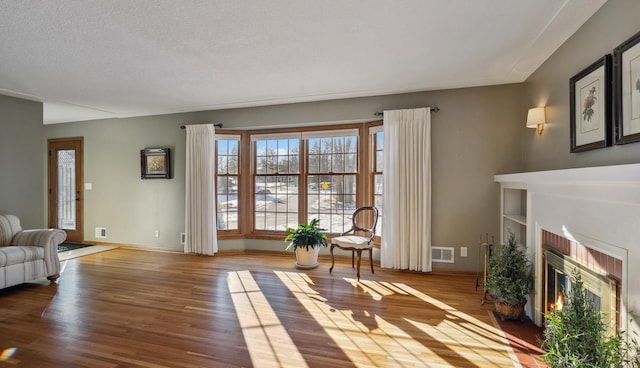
{"x": 536, "y": 119}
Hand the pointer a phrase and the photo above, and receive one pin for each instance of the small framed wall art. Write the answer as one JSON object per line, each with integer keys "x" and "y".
{"x": 590, "y": 103}
{"x": 627, "y": 90}
{"x": 155, "y": 163}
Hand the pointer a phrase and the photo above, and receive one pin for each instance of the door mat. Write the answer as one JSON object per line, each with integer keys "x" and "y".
{"x": 64, "y": 247}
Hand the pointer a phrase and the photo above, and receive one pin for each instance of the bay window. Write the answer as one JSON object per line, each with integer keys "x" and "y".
{"x": 295, "y": 175}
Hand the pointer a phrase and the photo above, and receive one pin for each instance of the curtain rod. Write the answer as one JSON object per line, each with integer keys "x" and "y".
{"x": 219, "y": 125}
{"x": 433, "y": 109}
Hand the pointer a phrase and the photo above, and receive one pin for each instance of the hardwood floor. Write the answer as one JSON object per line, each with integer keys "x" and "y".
{"x": 130, "y": 308}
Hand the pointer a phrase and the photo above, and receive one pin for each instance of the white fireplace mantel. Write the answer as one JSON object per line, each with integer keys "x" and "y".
{"x": 598, "y": 207}
{"x": 599, "y": 174}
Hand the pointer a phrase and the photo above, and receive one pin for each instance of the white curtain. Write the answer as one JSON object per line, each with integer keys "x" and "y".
{"x": 200, "y": 216}
{"x": 406, "y": 191}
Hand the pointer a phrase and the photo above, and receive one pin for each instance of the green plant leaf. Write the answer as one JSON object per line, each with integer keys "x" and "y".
{"x": 510, "y": 273}
{"x": 306, "y": 235}
{"x": 576, "y": 336}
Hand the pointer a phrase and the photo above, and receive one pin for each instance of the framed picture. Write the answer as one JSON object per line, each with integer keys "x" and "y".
{"x": 155, "y": 163}
{"x": 627, "y": 90}
{"x": 590, "y": 94}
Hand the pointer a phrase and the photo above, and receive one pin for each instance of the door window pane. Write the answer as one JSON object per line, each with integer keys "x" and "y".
{"x": 66, "y": 189}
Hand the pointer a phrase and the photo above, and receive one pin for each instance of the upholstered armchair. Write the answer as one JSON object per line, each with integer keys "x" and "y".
{"x": 27, "y": 255}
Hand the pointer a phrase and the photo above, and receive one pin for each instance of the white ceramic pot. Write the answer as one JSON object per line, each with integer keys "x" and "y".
{"x": 307, "y": 259}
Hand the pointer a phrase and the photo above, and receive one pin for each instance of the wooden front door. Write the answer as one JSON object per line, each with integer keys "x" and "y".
{"x": 66, "y": 192}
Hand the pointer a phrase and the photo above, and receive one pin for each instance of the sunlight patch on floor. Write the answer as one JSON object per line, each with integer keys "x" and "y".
{"x": 479, "y": 337}
{"x": 268, "y": 342}
{"x": 351, "y": 334}
{"x": 369, "y": 340}
{"x": 483, "y": 328}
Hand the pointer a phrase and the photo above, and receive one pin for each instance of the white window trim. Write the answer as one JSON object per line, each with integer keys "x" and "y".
{"x": 330, "y": 133}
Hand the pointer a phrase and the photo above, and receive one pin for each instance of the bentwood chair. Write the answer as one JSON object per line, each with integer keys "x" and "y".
{"x": 357, "y": 243}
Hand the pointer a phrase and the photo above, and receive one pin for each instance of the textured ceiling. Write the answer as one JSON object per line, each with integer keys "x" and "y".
{"x": 91, "y": 59}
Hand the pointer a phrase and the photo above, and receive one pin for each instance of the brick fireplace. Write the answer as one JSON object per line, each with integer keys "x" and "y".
{"x": 585, "y": 217}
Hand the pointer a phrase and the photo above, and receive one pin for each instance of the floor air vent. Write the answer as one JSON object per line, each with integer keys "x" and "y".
{"x": 442, "y": 254}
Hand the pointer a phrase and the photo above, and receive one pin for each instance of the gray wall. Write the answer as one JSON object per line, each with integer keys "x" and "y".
{"x": 22, "y": 161}
{"x": 476, "y": 134}
{"x": 615, "y": 22}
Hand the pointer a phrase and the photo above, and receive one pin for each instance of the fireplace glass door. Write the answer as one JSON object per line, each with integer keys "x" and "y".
{"x": 600, "y": 289}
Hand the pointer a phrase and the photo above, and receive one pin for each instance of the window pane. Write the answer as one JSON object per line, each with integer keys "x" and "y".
{"x": 314, "y": 146}
{"x": 326, "y": 145}
{"x": 276, "y": 202}
{"x": 275, "y": 156}
{"x": 377, "y": 178}
{"x": 338, "y": 145}
{"x": 377, "y": 194}
{"x": 337, "y": 162}
{"x": 314, "y": 163}
{"x": 379, "y": 150}
{"x": 333, "y": 155}
{"x": 227, "y": 209}
{"x": 352, "y": 144}
{"x": 294, "y": 163}
{"x": 227, "y": 183}
{"x": 271, "y": 157}
{"x": 325, "y": 163}
{"x": 351, "y": 163}
{"x": 332, "y": 199}
{"x": 222, "y": 164}
{"x": 233, "y": 157}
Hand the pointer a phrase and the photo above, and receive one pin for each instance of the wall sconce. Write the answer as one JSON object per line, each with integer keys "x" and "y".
{"x": 536, "y": 119}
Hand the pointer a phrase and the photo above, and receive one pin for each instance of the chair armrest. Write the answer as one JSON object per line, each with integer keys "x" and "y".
{"x": 347, "y": 232}
{"x": 47, "y": 239}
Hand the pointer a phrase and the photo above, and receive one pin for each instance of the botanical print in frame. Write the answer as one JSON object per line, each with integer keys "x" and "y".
{"x": 590, "y": 93}
{"x": 627, "y": 90}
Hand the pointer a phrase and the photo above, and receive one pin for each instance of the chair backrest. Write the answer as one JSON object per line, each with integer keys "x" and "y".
{"x": 365, "y": 219}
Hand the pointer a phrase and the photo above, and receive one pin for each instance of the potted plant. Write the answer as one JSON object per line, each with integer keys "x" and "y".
{"x": 306, "y": 241}
{"x": 510, "y": 279}
{"x": 576, "y": 336}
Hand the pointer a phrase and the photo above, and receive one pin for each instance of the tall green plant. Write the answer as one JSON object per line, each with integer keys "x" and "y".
{"x": 575, "y": 336}
{"x": 510, "y": 274}
{"x": 306, "y": 235}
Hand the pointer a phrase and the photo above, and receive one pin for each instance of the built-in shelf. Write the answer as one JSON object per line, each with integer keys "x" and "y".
{"x": 522, "y": 220}
{"x": 513, "y": 213}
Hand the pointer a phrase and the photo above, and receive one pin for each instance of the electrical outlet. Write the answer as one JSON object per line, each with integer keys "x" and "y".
{"x": 157, "y": 233}
{"x": 463, "y": 251}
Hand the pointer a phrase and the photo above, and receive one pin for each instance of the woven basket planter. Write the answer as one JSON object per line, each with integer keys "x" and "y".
{"x": 507, "y": 311}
